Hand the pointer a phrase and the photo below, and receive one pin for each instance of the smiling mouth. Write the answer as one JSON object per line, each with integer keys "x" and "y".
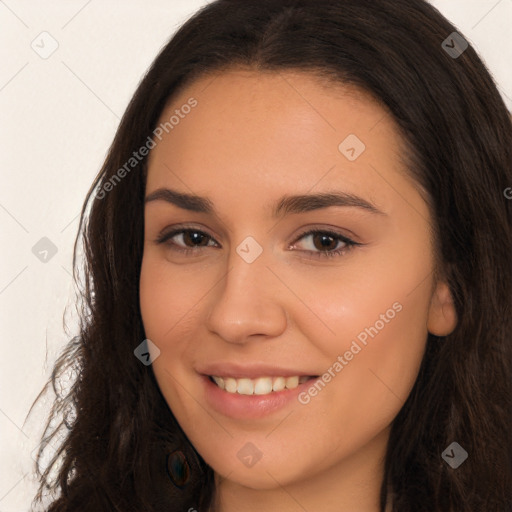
{"x": 259, "y": 386}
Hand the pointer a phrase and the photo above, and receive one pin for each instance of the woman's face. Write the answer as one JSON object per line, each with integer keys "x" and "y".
{"x": 295, "y": 246}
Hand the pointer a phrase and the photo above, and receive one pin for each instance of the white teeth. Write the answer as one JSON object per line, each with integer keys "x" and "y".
{"x": 259, "y": 386}
{"x": 245, "y": 387}
{"x": 230, "y": 385}
{"x": 220, "y": 382}
{"x": 292, "y": 382}
{"x": 263, "y": 386}
{"x": 279, "y": 384}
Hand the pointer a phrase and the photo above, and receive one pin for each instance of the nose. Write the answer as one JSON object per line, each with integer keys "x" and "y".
{"x": 246, "y": 305}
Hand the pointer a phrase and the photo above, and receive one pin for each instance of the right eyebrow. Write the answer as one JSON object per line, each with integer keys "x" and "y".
{"x": 189, "y": 202}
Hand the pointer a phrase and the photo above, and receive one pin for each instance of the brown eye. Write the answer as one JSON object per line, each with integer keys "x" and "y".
{"x": 325, "y": 243}
{"x": 186, "y": 239}
{"x": 195, "y": 238}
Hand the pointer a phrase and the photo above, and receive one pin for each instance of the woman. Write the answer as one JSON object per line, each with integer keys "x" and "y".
{"x": 297, "y": 273}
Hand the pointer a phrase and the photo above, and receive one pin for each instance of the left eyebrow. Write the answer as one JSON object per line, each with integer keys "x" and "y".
{"x": 284, "y": 206}
{"x": 309, "y": 202}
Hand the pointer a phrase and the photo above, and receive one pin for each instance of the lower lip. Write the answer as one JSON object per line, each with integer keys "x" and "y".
{"x": 240, "y": 406}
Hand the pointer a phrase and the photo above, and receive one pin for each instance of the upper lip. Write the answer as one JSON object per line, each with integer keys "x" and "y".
{"x": 252, "y": 371}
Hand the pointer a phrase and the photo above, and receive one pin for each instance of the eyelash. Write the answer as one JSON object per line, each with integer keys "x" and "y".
{"x": 349, "y": 244}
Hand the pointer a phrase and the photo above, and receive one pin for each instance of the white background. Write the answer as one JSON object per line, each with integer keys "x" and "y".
{"x": 57, "y": 119}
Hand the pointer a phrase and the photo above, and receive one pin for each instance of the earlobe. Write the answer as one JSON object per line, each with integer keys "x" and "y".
{"x": 442, "y": 317}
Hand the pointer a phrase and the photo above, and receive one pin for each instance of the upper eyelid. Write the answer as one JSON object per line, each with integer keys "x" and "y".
{"x": 329, "y": 231}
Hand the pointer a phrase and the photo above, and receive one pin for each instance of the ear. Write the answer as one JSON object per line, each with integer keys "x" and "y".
{"x": 442, "y": 317}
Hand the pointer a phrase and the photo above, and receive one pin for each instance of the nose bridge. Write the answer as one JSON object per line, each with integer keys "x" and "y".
{"x": 247, "y": 268}
{"x": 246, "y": 302}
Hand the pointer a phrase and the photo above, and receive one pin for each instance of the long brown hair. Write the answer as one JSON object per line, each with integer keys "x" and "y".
{"x": 458, "y": 134}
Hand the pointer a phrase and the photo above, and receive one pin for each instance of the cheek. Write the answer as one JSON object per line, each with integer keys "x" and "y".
{"x": 383, "y": 359}
{"x": 169, "y": 297}
{"x": 169, "y": 304}
{"x": 380, "y": 334}
{"x": 172, "y": 303}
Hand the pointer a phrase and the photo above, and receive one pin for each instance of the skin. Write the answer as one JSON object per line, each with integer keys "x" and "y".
{"x": 252, "y": 138}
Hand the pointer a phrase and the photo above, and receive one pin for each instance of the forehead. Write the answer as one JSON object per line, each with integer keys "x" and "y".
{"x": 273, "y": 132}
{"x": 288, "y": 106}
